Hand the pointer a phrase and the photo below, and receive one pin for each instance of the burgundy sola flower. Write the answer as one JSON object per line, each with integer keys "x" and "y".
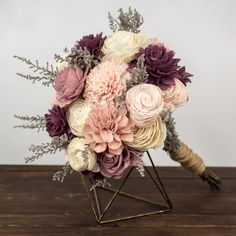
{"x": 162, "y": 67}
{"x": 92, "y": 43}
{"x": 56, "y": 122}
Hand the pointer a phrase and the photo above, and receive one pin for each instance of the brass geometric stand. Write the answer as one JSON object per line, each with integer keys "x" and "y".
{"x": 100, "y": 212}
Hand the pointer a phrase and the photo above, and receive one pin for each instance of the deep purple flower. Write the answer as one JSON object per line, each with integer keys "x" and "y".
{"x": 162, "y": 67}
{"x": 115, "y": 165}
{"x": 93, "y": 176}
{"x": 92, "y": 43}
{"x": 56, "y": 122}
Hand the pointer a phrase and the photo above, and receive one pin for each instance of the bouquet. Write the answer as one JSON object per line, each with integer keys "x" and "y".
{"x": 114, "y": 98}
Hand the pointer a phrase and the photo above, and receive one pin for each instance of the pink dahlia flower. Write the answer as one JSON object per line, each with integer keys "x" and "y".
{"x": 106, "y": 81}
{"x": 69, "y": 84}
{"x": 106, "y": 128}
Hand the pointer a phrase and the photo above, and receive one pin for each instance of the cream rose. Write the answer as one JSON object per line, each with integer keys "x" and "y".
{"x": 175, "y": 96}
{"x": 77, "y": 114}
{"x": 150, "y": 137}
{"x": 144, "y": 103}
{"x": 77, "y": 158}
{"x": 122, "y": 46}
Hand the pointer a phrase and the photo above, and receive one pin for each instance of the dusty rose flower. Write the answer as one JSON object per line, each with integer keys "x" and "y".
{"x": 56, "y": 122}
{"x": 106, "y": 81}
{"x": 114, "y": 166}
{"x": 144, "y": 103}
{"x": 162, "y": 66}
{"x": 175, "y": 96}
{"x": 69, "y": 84}
{"x": 106, "y": 128}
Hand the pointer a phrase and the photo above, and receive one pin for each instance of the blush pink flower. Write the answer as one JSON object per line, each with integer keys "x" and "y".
{"x": 69, "y": 84}
{"x": 175, "y": 96}
{"x": 107, "y": 128}
{"x": 106, "y": 81}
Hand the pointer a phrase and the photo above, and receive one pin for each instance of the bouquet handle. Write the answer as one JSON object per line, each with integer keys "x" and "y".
{"x": 194, "y": 163}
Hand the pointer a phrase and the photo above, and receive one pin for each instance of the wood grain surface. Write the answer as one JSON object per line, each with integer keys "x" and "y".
{"x": 31, "y": 204}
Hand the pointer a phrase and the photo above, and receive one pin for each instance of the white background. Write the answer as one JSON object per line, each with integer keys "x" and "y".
{"x": 202, "y": 32}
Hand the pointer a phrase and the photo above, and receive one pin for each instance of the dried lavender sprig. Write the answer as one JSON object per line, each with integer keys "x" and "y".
{"x": 172, "y": 142}
{"x": 59, "y": 58}
{"x": 140, "y": 167}
{"x": 83, "y": 58}
{"x": 46, "y": 73}
{"x": 100, "y": 183}
{"x": 128, "y": 21}
{"x": 34, "y": 122}
{"x": 60, "y": 175}
{"x": 52, "y": 147}
{"x": 139, "y": 74}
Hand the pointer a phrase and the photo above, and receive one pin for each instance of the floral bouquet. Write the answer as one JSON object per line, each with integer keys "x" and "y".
{"x": 114, "y": 98}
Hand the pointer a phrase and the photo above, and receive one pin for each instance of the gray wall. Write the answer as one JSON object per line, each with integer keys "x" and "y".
{"x": 202, "y": 32}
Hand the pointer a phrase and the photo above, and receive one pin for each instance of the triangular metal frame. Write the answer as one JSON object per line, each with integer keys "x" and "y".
{"x": 99, "y": 214}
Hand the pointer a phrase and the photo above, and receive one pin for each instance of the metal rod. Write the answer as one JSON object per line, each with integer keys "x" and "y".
{"x": 117, "y": 191}
{"x": 167, "y": 198}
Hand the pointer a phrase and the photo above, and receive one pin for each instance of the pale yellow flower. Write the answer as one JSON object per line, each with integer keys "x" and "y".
{"x": 150, "y": 137}
{"x": 122, "y": 46}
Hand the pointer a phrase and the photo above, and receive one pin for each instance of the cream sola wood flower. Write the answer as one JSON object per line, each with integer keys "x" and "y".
{"x": 150, "y": 137}
{"x": 77, "y": 115}
{"x": 80, "y": 156}
{"x": 122, "y": 46}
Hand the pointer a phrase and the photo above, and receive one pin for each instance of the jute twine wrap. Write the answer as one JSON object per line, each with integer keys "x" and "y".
{"x": 188, "y": 159}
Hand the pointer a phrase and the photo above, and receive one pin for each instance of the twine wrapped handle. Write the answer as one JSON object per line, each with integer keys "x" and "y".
{"x": 180, "y": 152}
{"x": 193, "y": 162}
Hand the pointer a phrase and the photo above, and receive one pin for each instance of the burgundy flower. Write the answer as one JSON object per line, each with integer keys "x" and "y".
{"x": 92, "y": 43}
{"x": 93, "y": 176}
{"x": 56, "y": 122}
{"x": 162, "y": 67}
{"x": 115, "y": 165}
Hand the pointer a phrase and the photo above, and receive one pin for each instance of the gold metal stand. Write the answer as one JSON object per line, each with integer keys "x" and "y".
{"x": 100, "y": 212}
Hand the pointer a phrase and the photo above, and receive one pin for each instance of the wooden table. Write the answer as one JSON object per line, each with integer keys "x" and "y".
{"x": 31, "y": 204}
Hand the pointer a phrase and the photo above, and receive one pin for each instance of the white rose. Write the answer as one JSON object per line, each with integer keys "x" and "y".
{"x": 80, "y": 156}
{"x": 77, "y": 114}
{"x": 63, "y": 65}
{"x": 122, "y": 46}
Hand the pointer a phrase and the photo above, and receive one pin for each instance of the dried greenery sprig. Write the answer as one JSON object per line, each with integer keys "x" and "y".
{"x": 59, "y": 58}
{"x": 45, "y": 73}
{"x": 129, "y": 21}
{"x": 140, "y": 167}
{"x": 60, "y": 175}
{"x": 172, "y": 142}
{"x": 83, "y": 58}
{"x": 52, "y": 147}
{"x": 34, "y": 122}
{"x": 139, "y": 74}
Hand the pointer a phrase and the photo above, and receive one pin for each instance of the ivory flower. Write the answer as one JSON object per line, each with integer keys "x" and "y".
{"x": 175, "y": 96}
{"x": 150, "y": 137}
{"x": 122, "y": 46}
{"x": 144, "y": 103}
{"x": 106, "y": 128}
{"x": 77, "y": 114}
{"x": 77, "y": 159}
{"x": 106, "y": 81}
